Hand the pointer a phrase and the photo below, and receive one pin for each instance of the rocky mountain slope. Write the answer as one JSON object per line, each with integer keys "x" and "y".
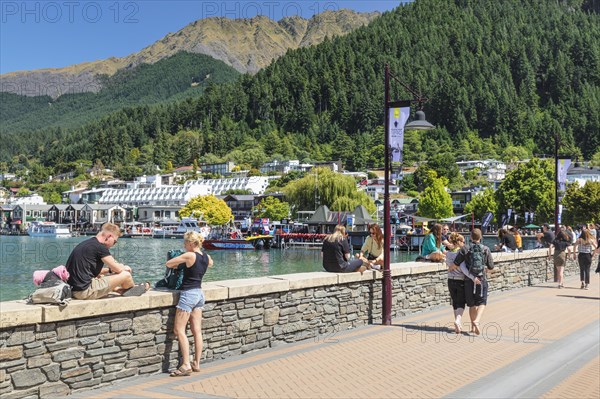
{"x": 245, "y": 44}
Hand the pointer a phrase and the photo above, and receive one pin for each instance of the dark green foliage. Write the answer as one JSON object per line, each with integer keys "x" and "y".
{"x": 513, "y": 72}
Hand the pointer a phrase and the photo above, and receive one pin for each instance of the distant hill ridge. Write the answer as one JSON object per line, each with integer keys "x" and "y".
{"x": 247, "y": 45}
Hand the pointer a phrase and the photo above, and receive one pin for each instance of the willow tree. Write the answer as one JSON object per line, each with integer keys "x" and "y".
{"x": 324, "y": 187}
{"x": 211, "y": 209}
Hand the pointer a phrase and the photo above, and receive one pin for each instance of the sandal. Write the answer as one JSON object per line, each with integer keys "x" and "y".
{"x": 137, "y": 290}
{"x": 195, "y": 369}
{"x": 181, "y": 372}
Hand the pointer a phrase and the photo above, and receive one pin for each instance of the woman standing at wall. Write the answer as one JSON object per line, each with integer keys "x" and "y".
{"x": 191, "y": 301}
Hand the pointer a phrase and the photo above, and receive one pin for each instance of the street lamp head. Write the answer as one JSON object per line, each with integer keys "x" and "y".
{"x": 420, "y": 123}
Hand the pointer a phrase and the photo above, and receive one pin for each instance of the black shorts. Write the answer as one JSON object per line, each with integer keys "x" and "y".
{"x": 479, "y": 297}
{"x": 456, "y": 288}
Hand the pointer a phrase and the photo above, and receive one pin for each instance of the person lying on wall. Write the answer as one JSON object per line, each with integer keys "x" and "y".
{"x": 94, "y": 273}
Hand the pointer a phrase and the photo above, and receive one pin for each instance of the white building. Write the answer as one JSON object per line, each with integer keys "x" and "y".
{"x": 489, "y": 169}
{"x": 285, "y": 166}
{"x": 158, "y": 194}
{"x": 583, "y": 174}
{"x": 33, "y": 199}
{"x": 255, "y": 184}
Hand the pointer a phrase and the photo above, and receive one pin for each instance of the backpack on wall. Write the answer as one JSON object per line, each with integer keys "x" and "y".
{"x": 58, "y": 294}
{"x": 477, "y": 263}
{"x": 173, "y": 276}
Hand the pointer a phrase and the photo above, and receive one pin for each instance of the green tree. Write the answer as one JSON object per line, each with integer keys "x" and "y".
{"x": 211, "y": 209}
{"x": 272, "y": 208}
{"x": 582, "y": 205}
{"x": 435, "y": 202}
{"x": 528, "y": 188}
{"x": 482, "y": 203}
{"x": 595, "y": 161}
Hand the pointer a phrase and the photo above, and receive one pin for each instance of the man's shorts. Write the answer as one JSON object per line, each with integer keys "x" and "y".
{"x": 99, "y": 288}
{"x": 476, "y": 294}
{"x": 191, "y": 299}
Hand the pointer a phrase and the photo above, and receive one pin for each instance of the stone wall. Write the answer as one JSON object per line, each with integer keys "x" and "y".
{"x": 47, "y": 351}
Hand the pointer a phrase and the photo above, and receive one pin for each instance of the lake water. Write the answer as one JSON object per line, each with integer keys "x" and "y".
{"x": 20, "y": 256}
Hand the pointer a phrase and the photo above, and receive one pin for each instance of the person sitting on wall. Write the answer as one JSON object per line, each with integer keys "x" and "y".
{"x": 433, "y": 249}
{"x": 336, "y": 253}
{"x": 371, "y": 253}
{"x": 90, "y": 262}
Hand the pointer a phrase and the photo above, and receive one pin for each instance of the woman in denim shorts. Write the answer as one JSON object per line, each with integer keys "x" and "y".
{"x": 191, "y": 301}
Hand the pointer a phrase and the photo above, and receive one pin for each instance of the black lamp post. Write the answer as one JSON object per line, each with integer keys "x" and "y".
{"x": 418, "y": 124}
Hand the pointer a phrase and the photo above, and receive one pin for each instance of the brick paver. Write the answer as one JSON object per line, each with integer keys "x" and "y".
{"x": 419, "y": 356}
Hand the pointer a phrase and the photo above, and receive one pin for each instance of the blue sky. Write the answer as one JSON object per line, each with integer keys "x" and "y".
{"x": 54, "y": 34}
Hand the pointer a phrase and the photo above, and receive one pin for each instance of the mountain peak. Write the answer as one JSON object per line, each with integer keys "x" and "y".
{"x": 247, "y": 44}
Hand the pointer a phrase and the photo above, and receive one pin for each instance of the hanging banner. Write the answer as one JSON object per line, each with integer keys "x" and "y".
{"x": 563, "y": 167}
{"x": 487, "y": 218}
{"x": 397, "y": 119}
{"x": 527, "y": 218}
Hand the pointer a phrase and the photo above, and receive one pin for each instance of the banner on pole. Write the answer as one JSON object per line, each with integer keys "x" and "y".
{"x": 563, "y": 167}
{"x": 397, "y": 119}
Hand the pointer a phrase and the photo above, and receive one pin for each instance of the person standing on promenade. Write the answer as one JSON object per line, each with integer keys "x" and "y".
{"x": 433, "y": 249}
{"x": 456, "y": 280}
{"x": 373, "y": 247}
{"x": 191, "y": 301}
{"x": 561, "y": 243}
{"x": 336, "y": 253}
{"x": 473, "y": 260}
{"x": 90, "y": 262}
{"x": 585, "y": 246}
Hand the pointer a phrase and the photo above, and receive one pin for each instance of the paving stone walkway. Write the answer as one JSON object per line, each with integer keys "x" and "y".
{"x": 536, "y": 342}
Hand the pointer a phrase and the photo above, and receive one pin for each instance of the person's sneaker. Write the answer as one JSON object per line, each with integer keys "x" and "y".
{"x": 375, "y": 267}
{"x": 587, "y": 287}
{"x": 582, "y": 285}
{"x": 559, "y": 286}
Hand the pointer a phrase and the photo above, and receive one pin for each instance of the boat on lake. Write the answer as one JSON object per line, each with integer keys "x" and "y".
{"x": 232, "y": 239}
{"x": 49, "y": 229}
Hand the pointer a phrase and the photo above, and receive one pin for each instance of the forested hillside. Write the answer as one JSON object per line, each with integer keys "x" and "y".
{"x": 178, "y": 77}
{"x": 513, "y": 72}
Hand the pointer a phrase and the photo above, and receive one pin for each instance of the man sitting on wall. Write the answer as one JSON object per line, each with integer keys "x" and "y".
{"x": 90, "y": 263}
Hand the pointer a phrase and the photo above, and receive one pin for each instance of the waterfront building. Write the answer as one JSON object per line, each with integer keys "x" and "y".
{"x": 98, "y": 214}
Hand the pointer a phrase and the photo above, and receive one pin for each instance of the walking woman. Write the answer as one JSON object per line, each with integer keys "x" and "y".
{"x": 432, "y": 244}
{"x": 561, "y": 242}
{"x": 191, "y": 301}
{"x": 456, "y": 280}
{"x": 585, "y": 246}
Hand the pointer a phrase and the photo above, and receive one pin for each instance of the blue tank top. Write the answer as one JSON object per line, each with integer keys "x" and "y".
{"x": 192, "y": 276}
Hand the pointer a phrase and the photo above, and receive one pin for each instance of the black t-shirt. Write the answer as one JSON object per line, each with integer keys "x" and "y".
{"x": 333, "y": 255}
{"x": 192, "y": 276}
{"x": 509, "y": 241}
{"x": 85, "y": 263}
{"x": 548, "y": 238}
